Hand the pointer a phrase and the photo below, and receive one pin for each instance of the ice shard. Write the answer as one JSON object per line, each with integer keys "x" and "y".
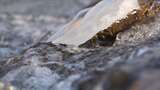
{"x": 98, "y": 18}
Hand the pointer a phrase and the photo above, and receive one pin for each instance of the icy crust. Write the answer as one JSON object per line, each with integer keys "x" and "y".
{"x": 98, "y": 18}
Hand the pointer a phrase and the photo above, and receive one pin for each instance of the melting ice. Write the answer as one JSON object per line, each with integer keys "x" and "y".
{"x": 98, "y": 18}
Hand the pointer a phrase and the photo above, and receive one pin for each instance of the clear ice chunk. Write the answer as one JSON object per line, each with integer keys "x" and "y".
{"x": 98, "y": 18}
